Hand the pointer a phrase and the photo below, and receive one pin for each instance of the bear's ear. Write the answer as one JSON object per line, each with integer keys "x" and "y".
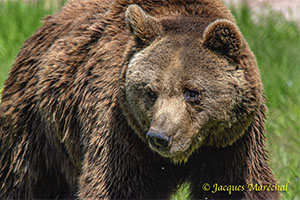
{"x": 143, "y": 26}
{"x": 223, "y": 37}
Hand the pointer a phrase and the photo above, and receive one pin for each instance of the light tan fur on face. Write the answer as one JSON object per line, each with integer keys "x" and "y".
{"x": 204, "y": 60}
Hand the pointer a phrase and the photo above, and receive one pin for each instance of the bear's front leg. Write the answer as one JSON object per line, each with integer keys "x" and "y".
{"x": 226, "y": 173}
{"x": 112, "y": 172}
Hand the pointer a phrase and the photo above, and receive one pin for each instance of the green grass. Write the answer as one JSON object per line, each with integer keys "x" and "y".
{"x": 275, "y": 42}
{"x": 17, "y": 22}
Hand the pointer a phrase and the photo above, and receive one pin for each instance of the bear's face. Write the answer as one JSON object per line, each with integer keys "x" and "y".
{"x": 185, "y": 90}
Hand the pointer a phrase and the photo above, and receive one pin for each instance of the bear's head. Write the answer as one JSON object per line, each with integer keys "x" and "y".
{"x": 184, "y": 84}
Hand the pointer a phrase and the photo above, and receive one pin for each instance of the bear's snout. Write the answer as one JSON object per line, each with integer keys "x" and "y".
{"x": 159, "y": 140}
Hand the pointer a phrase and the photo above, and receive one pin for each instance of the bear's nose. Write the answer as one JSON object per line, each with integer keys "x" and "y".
{"x": 159, "y": 140}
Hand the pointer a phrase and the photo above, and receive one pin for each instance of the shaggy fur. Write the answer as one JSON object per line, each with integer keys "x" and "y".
{"x": 97, "y": 76}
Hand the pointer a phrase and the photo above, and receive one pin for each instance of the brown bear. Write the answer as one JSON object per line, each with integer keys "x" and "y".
{"x": 128, "y": 99}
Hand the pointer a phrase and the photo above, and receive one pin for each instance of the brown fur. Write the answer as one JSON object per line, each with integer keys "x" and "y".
{"x": 97, "y": 76}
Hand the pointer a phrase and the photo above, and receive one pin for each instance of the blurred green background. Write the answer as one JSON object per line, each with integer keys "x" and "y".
{"x": 276, "y": 44}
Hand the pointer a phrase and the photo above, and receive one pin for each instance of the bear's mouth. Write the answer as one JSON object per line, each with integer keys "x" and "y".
{"x": 176, "y": 152}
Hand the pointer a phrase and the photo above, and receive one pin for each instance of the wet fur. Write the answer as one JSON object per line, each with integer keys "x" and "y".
{"x": 65, "y": 128}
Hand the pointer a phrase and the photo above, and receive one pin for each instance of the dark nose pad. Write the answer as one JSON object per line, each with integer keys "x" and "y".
{"x": 159, "y": 140}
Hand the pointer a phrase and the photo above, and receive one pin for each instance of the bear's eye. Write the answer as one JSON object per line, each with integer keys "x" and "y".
{"x": 151, "y": 94}
{"x": 191, "y": 95}
{"x": 151, "y": 97}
